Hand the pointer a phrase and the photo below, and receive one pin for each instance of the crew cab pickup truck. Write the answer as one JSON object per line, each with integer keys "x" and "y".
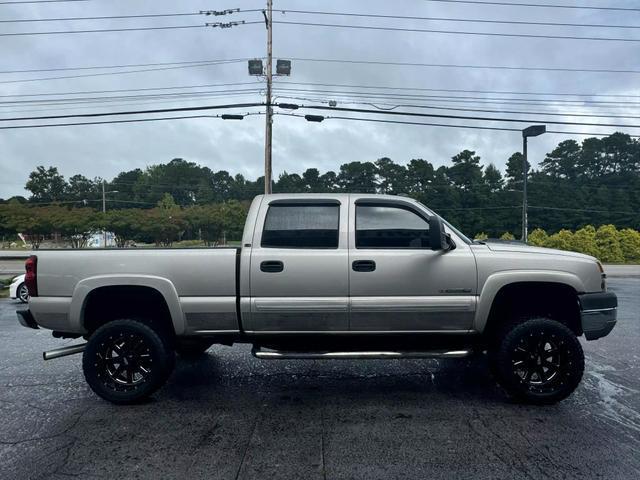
{"x": 326, "y": 276}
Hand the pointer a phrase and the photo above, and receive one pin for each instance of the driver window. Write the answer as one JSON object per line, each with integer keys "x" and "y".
{"x": 385, "y": 226}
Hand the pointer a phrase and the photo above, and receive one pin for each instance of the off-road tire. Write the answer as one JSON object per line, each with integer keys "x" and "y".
{"x": 538, "y": 361}
{"x": 126, "y": 361}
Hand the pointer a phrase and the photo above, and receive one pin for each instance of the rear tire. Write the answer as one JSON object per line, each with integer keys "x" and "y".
{"x": 539, "y": 361}
{"x": 126, "y": 361}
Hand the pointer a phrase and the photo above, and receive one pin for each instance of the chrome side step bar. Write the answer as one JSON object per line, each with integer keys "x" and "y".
{"x": 266, "y": 354}
{"x": 63, "y": 352}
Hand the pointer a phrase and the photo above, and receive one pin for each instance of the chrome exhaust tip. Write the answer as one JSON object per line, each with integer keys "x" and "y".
{"x": 63, "y": 352}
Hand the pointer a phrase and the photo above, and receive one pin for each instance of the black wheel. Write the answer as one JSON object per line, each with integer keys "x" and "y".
{"x": 192, "y": 348}
{"x": 539, "y": 361}
{"x": 23, "y": 293}
{"x": 126, "y": 361}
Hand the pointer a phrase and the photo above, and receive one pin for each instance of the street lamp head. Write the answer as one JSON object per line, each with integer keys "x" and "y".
{"x": 534, "y": 131}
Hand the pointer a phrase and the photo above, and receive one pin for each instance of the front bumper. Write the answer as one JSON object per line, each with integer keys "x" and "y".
{"x": 598, "y": 313}
{"x": 26, "y": 319}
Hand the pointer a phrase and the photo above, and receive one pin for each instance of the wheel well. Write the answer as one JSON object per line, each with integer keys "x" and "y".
{"x": 519, "y": 301}
{"x": 145, "y": 304}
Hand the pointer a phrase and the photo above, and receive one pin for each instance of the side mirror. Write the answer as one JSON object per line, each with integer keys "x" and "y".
{"x": 438, "y": 239}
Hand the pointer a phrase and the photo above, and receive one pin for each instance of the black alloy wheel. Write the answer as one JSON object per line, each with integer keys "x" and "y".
{"x": 125, "y": 361}
{"x": 540, "y": 361}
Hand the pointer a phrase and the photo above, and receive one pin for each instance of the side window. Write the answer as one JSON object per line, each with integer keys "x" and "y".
{"x": 301, "y": 226}
{"x": 383, "y": 226}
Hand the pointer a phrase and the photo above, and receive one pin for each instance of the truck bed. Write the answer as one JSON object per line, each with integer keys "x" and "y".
{"x": 201, "y": 283}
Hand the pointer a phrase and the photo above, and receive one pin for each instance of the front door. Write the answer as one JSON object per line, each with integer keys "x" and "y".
{"x": 396, "y": 282}
{"x": 299, "y": 275}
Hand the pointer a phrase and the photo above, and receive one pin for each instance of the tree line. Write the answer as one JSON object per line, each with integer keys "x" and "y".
{"x": 596, "y": 182}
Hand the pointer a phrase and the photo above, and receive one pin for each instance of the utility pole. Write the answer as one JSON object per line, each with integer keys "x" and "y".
{"x": 268, "y": 17}
{"x": 525, "y": 174}
{"x": 532, "y": 131}
{"x": 104, "y": 211}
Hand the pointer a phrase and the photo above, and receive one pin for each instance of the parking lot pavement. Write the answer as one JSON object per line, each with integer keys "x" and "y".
{"x": 232, "y": 416}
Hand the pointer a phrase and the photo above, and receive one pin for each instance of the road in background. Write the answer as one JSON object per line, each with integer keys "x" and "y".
{"x": 232, "y": 416}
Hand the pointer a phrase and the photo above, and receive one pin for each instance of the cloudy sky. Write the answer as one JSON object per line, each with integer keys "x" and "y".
{"x": 105, "y": 150}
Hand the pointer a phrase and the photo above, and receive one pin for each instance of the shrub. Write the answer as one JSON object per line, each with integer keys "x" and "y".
{"x": 608, "y": 244}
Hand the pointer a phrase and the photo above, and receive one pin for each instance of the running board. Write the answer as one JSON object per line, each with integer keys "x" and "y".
{"x": 287, "y": 355}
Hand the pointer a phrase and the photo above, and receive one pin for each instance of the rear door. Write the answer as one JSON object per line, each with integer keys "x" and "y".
{"x": 396, "y": 282}
{"x": 299, "y": 266}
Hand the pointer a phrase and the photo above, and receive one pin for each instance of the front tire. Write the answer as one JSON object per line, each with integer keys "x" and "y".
{"x": 539, "y": 361}
{"x": 126, "y": 361}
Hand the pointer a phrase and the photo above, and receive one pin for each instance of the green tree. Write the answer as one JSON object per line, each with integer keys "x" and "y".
{"x": 563, "y": 161}
{"x": 466, "y": 171}
{"x": 75, "y": 224}
{"x": 630, "y": 244}
{"x": 608, "y": 244}
{"x": 125, "y": 224}
{"x": 563, "y": 240}
{"x": 538, "y": 237}
{"x": 493, "y": 178}
{"x": 584, "y": 241}
{"x": 46, "y": 185}
{"x": 507, "y": 236}
{"x": 358, "y": 177}
{"x": 392, "y": 178}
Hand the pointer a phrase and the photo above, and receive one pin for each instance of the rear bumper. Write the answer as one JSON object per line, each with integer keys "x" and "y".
{"x": 26, "y": 319}
{"x": 598, "y": 313}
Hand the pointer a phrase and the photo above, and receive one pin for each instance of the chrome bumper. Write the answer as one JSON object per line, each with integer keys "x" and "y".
{"x": 598, "y": 313}
{"x": 26, "y": 319}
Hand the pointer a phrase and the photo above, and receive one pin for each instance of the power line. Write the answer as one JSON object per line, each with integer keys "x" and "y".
{"x": 143, "y": 89}
{"x": 205, "y": 64}
{"x": 444, "y": 107}
{"x": 125, "y": 65}
{"x": 449, "y": 65}
{"x": 459, "y": 32}
{"x": 104, "y": 122}
{"x": 461, "y": 117}
{"x": 451, "y": 19}
{"x": 25, "y": 2}
{"x": 467, "y": 97}
{"x": 106, "y": 17}
{"x": 80, "y": 100}
{"x": 454, "y": 90}
{"x": 447, "y": 125}
{"x": 583, "y": 210}
{"x": 102, "y": 30}
{"x": 133, "y": 112}
{"x": 538, "y": 5}
{"x": 345, "y": 97}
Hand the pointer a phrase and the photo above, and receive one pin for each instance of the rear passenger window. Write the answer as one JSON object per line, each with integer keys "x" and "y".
{"x": 301, "y": 226}
{"x": 385, "y": 226}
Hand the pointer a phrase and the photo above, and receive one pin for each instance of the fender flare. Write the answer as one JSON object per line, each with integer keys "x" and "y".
{"x": 161, "y": 285}
{"x": 497, "y": 281}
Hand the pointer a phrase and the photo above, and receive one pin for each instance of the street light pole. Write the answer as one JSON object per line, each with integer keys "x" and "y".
{"x": 532, "y": 131}
{"x": 269, "y": 116}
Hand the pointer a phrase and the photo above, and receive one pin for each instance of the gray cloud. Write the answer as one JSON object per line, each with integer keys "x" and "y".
{"x": 238, "y": 146}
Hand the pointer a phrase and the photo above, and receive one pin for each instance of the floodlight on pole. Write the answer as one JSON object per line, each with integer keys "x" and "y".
{"x": 283, "y": 67}
{"x": 255, "y": 67}
{"x": 531, "y": 131}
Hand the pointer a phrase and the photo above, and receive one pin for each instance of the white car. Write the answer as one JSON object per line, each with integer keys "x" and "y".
{"x": 18, "y": 289}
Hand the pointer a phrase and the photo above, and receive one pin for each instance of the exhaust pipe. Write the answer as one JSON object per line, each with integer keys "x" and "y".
{"x": 63, "y": 352}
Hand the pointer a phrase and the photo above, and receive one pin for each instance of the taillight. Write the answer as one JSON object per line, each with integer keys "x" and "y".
{"x": 31, "y": 277}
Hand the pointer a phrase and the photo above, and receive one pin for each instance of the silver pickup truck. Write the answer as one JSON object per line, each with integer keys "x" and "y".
{"x": 326, "y": 276}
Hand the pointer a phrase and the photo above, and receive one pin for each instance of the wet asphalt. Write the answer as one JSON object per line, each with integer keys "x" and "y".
{"x": 232, "y": 416}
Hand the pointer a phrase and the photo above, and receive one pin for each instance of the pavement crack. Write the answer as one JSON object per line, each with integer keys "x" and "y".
{"x": 249, "y": 438}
